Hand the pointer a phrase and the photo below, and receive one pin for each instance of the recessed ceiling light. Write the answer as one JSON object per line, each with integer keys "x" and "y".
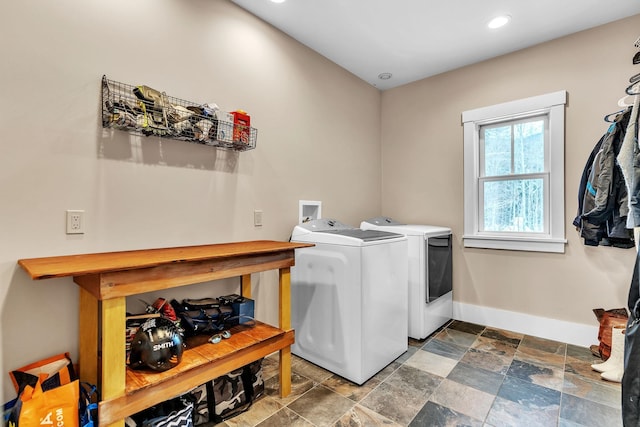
{"x": 277, "y": 1}
{"x": 499, "y": 21}
{"x": 384, "y": 76}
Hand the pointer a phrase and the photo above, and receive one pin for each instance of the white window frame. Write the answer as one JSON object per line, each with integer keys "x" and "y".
{"x": 553, "y": 239}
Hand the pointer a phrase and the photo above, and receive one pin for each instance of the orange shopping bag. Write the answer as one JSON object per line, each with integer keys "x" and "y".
{"x": 57, "y": 370}
{"x": 57, "y": 407}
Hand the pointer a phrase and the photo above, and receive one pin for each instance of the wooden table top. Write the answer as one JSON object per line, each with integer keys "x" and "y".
{"x": 95, "y": 263}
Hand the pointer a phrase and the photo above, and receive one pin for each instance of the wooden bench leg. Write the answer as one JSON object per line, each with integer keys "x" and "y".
{"x": 113, "y": 350}
{"x": 285, "y": 324}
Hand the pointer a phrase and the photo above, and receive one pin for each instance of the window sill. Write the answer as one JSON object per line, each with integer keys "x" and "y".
{"x": 515, "y": 244}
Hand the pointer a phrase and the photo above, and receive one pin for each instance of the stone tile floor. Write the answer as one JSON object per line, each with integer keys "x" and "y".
{"x": 462, "y": 375}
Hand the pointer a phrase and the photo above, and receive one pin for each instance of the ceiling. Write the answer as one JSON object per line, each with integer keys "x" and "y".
{"x": 414, "y": 39}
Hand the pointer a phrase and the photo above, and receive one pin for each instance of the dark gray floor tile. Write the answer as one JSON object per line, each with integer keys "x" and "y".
{"x": 285, "y": 417}
{"x": 414, "y": 379}
{"x": 500, "y": 348}
{"x": 547, "y": 376}
{"x": 309, "y": 369}
{"x": 401, "y": 396}
{"x": 270, "y": 366}
{"x": 260, "y": 410}
{"x": 470, "y": 328}
{"x": 498, "y": 334}
{"x": 445, "y": 348}
{"x": 581, "y": 353}
{"x": 493, "y": 362}
{"x": 349, "y": 389}
{"x": 582, "y": 367}
{"x": 544, "y": 344}
{"x": 459, "y": 338}
{"x": 478, "y": 378}
{"x": 587, "y": 413}
{"x": 299, "y": 386}
{"x": 540, "y": 357}
{"x": 388, "y": 370}
{"x": 601, "y": 391}
{"x": 361, "y": 416}
{"x": 321, "y": 406}
{"x": 434, "y": 415}
{"x": 528, "y": 394}
{"x": 509, "y": 413}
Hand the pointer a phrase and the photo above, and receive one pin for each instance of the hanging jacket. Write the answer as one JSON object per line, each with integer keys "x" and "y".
{"x": 584, "y": 180}
{"x": 604, "y": 206}
{"x": 629, "y": 160}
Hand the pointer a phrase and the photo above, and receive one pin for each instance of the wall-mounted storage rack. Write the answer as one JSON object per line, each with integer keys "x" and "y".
{"x": 142, "y": 110}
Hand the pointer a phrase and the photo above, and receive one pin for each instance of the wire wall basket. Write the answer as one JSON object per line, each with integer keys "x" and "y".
{"x": 145, "y": 111}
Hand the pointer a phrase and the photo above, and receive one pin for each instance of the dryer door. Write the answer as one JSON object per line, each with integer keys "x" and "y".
{"x": 439, "y": 267}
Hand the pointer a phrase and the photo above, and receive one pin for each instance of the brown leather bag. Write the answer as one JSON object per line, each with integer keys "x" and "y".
{"x": 609, "y": 319}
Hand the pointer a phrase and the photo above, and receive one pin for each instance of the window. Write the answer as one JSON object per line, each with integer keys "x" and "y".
{"x": 514, "y": 175}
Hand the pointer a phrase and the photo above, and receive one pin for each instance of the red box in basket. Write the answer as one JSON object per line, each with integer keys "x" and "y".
{"x": 241, "y": 126}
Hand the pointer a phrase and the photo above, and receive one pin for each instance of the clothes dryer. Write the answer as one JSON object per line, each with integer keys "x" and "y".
{"x": 430, "y": 273}
{"x": 349, "y": 298}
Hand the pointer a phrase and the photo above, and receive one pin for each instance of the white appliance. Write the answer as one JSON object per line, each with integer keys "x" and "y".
{"x": 430, "y": 273}
{"x": 349, "y": 298}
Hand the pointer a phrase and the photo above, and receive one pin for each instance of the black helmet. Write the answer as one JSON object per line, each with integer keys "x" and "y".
{"x": 157, "y": 345}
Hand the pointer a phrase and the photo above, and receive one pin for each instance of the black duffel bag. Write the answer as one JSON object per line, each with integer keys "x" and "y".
{"x": 228, "y": 395}
{"x": 202, "y": 316}
{"x": 176, "y": 412}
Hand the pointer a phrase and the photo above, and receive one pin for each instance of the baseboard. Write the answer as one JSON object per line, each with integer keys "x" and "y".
{"x": 542, "y": 327}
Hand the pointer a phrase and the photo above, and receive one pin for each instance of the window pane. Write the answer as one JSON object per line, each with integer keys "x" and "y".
{"x": 528, "y": 147}
{"x": 497, "y": 150}
{"x": 514, "y": 205}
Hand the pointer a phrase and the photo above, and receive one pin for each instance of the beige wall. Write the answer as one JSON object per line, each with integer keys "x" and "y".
{"x": 422, "y": 173}
{"x": 318, "y": 139}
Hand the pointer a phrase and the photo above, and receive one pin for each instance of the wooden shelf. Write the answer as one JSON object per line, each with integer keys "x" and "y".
{"x": 199, "y": 364}
{"x": 106, "y": 279}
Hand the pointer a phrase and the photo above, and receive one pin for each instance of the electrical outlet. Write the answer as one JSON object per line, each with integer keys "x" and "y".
{"x": 75, "y": 222}
{"x": 257, "y": 218}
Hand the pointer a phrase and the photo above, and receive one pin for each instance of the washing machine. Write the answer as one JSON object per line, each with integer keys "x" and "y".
{"x": 349, "y": 298}
{"x": 430, "y": 273}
